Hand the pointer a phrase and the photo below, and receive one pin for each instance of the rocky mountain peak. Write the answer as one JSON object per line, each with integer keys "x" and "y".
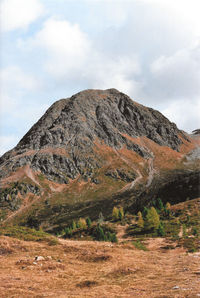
{"x": 106, "y": 115}
{"x": 75, "y": 124}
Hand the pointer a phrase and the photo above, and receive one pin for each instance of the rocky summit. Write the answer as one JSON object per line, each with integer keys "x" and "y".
{"x": 91, "y": 151}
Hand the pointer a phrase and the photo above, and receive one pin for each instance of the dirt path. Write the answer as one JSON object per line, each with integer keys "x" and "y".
{"x": 128, "y": 162}
{"x": 151, "y": 170}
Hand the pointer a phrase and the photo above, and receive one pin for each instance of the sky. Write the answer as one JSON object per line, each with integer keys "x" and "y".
{"x": 52, "y": 49}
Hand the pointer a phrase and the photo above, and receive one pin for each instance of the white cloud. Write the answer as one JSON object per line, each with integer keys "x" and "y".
{"x": 71, "y": 57}
{"x": 104, "y": 72}
{"x": 14, "y": 84}
{"x": 12, "y": 77}
{"x": 178, "y": 75}
{"x": 184, "y": 113}
{"x": 17, "y": 14}
{"x": 66, "y": 47}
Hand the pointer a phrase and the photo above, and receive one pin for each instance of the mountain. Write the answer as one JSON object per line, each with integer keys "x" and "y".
{"x": 92, "y": 151}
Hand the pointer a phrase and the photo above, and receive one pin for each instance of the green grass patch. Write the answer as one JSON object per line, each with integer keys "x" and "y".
{"x": 28, "y": 234}
{"x": 139, "y": 245}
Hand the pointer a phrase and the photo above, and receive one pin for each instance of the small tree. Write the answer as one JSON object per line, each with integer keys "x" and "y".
{"x": 115, "y": 213}
{"x": 161, "y": 230}
{"x": 68, "y": 232}
{"x": 152, "y": 219}
{"x": 100, "y": 236}
{"x": 160, "y": 205}
{"x": 74, "y": 225}
{"x": 113, "y": 238}
{"x": 184, "y": 230}
{"x": 82, "y": 223}
{"x": 167, "y": 209}
{"x": 121, "y": 213}
{"x": 89, "y": 222}
{"x": 101, "y": 218}
{"x": 140, "y": 221}
{"x": 144, "y": 212}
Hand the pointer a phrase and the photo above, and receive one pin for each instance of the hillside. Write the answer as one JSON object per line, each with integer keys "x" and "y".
{"x": 91, "y": 152}
{"x": 145, "y": 266}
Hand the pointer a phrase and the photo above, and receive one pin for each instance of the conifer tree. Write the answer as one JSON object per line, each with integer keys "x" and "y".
{"x": 152, "y": 219}
{"x": 89, "y": 222}
{"x": 140, "y": 221}
{"x": 74, "y": 225}
{"x": 82, "y": 223}
{"x": 100, "y": 236}
{"x": 68, "y": 232}
{"x": 167, "y": 209}
{"x": 101, "y": 218}
{"x": 161, "y": 230}
{"x": 113, "y": 238}
{"x": 121, "y": 213}
{"x": 115, "y": 213}
{"x": 144, "y": 212}
{"x": 160, "y": 205}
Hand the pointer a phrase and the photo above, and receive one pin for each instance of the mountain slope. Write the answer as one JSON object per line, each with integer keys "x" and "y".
{"x": 87, "y": 153}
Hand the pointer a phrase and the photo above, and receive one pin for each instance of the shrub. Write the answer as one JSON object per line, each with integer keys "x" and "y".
{"x": 113, "y": 238}
{"x": 139, "y": 245}
{"x": 195, "y": 231}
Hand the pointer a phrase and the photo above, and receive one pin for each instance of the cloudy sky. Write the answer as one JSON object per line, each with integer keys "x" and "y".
{"x": 51, "y": 49}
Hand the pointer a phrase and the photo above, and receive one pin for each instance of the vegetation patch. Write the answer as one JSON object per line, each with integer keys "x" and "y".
{"x": 139, "y": 245}
{"x": 27, "y": 234}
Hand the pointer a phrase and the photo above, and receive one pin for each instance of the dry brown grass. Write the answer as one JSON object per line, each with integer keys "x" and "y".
{"x": 96, "y": 269}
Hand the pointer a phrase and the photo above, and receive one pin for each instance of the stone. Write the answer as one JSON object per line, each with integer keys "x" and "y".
{"x": 39, "y": 258}
{"x": 176, "y": 288}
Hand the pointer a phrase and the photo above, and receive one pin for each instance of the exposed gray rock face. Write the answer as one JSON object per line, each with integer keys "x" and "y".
{"x": 74, "y": 124}
{"x": 10, "y": 197}
{"x": 196, "y": 132}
